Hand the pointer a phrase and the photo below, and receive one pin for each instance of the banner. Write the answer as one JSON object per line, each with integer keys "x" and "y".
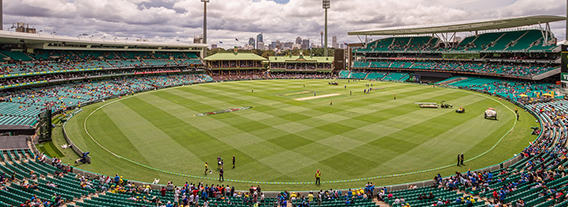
{"x": 564, "y": 77}
{"x": 160, "y": 71}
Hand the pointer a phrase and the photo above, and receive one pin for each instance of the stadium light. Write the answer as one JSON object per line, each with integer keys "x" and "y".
{"x": 204, "y": 53}
{"x": 325, "y": 5}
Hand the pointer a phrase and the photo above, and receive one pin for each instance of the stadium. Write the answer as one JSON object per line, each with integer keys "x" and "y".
{"x": 416, "y": 117}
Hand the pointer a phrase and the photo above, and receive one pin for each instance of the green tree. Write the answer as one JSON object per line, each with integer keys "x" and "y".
{"x": 215, "y": 51}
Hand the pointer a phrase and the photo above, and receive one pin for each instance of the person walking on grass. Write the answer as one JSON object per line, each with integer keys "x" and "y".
{"x": 206, "y": 168}
{"x": 233, "y": 161}
{"x": 318, "y": 176}
{"x": 331, "y": 102}
{"x": 221, "y": 177}
{"x": 461, "y": 159}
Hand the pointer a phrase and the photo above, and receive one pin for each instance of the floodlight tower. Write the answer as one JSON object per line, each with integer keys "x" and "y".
{"x": 205, "y": 26}
{"x": 325, "y": 7}
{"x": 1, "y": 16}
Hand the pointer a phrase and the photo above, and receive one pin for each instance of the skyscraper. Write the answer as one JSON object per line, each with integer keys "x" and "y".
{"x": 334, "y": 42}
{"x": 298, "y": 40}
{"x": 251, "y": 43}
{"x": 260, "y": 41}
{"x": 305, "y": 44}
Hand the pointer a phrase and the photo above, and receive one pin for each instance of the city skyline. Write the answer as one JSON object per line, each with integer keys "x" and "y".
{"x": 172, "y": 20}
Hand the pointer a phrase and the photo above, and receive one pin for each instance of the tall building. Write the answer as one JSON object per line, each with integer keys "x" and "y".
{"x": 305, "y": 44}
{"x": 298, "y": 40}
{"x": 288, "y": 45}
{"x": 260, "y": 45}
{"x": 251, "y": 42}
{"x": 259, "y": 40}
{"x": 334, "y": 42}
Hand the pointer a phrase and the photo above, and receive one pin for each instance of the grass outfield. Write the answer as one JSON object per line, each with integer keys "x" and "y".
{"x": 285, "y": 140}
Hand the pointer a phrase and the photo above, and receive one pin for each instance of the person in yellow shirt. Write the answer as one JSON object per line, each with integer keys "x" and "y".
{"x": 310, "y": 197}
{"x": 318, "y": 176}
{"x": 206, "y": 168}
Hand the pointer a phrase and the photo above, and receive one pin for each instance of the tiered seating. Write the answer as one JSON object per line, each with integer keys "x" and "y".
{"x": 22, "y": 163}
{"x": 376, "y": 75}
{"x": 125, "y": 63}
{"x": 511, "y": 69}
{"x": 358, "y": 75}
{"x": 510, "y": 89}
{"x": 523, "y": 40}
{"x": 24, "y": 106}
{"x": 396, "y": 77}
{"x": 417, "y": 43}
{"x": 66, "y": 61}
{"x": 160, "y": 62}
{"x": 412, "y": 197}
{"x": 344, "y": 74}
{"x": 17, "y": 55}
{"x": 503, "y": 42}
{"x": 360, "y": 202}
{"x": 384, "y": 76}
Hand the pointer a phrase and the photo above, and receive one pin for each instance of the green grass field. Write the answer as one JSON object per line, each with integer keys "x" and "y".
{"x": 285, "y": 140}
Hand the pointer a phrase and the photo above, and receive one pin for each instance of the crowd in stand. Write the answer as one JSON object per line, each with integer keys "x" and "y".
{"x": 514, "y": 89}
{"x": 510, "y": 69}
{"x": 75, "y": 94}
{"x": 75, "y": 60}
{"x": 261, "y": 75}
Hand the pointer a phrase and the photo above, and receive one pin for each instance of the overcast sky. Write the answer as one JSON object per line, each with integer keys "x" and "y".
{"x": 284, "y": 20}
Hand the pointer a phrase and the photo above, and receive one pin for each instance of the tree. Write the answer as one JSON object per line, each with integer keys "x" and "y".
{"x": 267, "y": 53}
{"x": 215, "y": 51}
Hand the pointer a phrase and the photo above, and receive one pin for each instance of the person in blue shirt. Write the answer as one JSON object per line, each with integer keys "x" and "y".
{"x": 502, "y": 195}
{"x": 116, "y": 179}
{"x": 204, "y": 195}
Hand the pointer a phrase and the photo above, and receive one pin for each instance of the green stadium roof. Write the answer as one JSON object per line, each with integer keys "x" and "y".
{"x": 478, "y": 25}
{"x": 234, "y": 56}
{"x": 297, "y": 59}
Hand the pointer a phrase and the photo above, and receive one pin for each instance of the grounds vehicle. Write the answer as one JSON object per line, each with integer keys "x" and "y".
{"x": 490, "y": 113}
{"x": 446, "y": 105}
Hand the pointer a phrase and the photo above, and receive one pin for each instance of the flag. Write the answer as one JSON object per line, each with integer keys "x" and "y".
{"x": 345, "y": 43}
{"x": 237, "y": 39}
{"x": 221, "y": 42}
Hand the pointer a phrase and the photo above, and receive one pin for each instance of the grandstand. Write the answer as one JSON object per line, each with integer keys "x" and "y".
{"x": 300, "y": 64}
{"x": 45, "y": 72}
{"x": 236, "y": 66}
{"x": 505, "y": 48}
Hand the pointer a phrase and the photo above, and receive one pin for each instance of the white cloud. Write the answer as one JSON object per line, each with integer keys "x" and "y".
{"x": 168, "y": 20}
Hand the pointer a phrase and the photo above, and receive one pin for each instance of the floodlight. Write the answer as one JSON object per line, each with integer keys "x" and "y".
{"x": 326, "y": 4}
